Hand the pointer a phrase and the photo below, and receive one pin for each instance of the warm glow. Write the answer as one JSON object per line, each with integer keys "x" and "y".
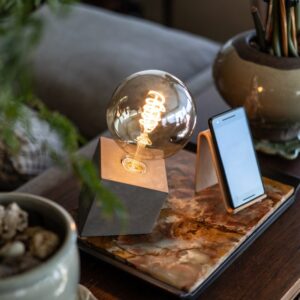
{"x": 260, "y": 89}
{"x": 152, "y": 110}
{"x": 151, "y": 116}
{"x": 133, "y": 166}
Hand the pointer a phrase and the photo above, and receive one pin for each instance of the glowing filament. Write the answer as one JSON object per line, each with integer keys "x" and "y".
{"x": 151, "y": 116}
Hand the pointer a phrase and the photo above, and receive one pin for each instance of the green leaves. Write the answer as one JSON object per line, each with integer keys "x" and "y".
{"x": 64, "y": 127}
{"x": 20, "y": 31}
{"x": 11, "y": 111}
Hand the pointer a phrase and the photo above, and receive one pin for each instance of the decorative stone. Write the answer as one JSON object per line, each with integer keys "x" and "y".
{"x": 22, "y": 247}
{"x": 13, "y": 249}
{"x": 43, "y": 243}
{"x": 12, "y": 220}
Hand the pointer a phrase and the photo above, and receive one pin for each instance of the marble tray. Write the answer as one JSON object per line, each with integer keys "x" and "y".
{"x": 194, "y": 236}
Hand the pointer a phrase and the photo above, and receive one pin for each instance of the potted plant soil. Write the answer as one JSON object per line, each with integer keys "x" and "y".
{"x": 261, "y": 69}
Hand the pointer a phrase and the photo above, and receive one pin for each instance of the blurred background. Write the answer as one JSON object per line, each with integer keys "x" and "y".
{"x": 218, "y": 20}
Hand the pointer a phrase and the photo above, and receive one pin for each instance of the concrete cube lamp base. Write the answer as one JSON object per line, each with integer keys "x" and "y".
{"x": 142, "y": 195}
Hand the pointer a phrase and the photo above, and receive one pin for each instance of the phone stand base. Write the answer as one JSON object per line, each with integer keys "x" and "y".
{"x": 208, "y": 170}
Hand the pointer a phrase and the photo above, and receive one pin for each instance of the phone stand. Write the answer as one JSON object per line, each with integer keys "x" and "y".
{"x": 208, "y": 170}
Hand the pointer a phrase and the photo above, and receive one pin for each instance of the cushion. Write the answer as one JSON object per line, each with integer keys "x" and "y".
{"x": 86, "y": 53}
{"x": 37, "y": 143}
{"x": 55, "y": 176}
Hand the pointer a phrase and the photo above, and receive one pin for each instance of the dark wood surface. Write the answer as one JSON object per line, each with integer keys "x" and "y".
{"x": 267, "y": 270}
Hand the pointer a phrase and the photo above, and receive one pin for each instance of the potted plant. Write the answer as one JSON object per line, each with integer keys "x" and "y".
{"x": 260, "y": 70}
{"x": 20, "y": 32}
{"x": 56, "y": 275}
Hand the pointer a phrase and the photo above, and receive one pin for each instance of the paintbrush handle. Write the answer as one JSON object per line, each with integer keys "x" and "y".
{"x": 269, "y": 26}
{"x": 260, "y": 32}
{"x": 284, "y": 33}
{"x": 276, "y": 32}
{"x": 294, "y": 28}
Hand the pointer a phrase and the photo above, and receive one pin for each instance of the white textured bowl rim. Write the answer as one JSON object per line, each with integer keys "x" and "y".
{"x": 39, "y": 272}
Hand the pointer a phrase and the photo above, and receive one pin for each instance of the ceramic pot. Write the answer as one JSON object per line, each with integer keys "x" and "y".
{"x": 57, "y": 277}
{"x": 266, "y": 85}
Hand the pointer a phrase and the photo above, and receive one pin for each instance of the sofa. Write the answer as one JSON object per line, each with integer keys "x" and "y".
{"x": 87, "y": 51}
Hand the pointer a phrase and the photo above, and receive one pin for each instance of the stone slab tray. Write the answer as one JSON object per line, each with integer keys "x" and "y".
{"x": 194, "y": 239}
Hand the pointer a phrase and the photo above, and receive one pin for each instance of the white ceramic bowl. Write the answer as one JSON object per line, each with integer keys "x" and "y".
{"x": 57, "y": 277}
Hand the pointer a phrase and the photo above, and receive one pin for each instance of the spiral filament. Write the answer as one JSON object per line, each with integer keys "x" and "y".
{"x": 151, "y": 116}
{"x": 152, "y": 110}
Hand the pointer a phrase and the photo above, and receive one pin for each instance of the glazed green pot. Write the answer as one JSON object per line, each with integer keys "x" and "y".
{"x": 266, "y": 85}
{"x": 57, "y": 277}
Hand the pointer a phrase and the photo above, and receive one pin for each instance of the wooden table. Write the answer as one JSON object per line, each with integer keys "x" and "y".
{"x": 267, "y": 270}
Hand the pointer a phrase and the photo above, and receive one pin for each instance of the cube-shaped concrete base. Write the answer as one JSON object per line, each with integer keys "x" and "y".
{"x": 142, "y": 195}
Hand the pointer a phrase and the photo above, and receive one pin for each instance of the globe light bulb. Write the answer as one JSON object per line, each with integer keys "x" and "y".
{"x": 151, "y": 116}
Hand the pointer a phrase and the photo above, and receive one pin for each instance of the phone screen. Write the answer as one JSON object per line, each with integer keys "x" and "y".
{"x": 236, "y": 153}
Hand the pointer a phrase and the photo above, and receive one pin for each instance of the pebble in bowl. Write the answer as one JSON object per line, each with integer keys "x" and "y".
{"x": 38, "y": 252}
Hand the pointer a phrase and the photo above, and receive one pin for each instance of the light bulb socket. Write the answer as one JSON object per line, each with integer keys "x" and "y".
{"x": 133, "y": 165}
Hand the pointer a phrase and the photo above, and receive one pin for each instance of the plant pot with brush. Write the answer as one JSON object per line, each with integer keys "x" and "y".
{"x": 260, "y": 70}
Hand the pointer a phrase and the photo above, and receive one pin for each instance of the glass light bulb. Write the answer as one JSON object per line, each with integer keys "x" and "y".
{"x": 151, "y": 116}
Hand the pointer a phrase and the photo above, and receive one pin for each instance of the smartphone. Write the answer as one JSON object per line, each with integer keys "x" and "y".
{"x": 236, "y": 158}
